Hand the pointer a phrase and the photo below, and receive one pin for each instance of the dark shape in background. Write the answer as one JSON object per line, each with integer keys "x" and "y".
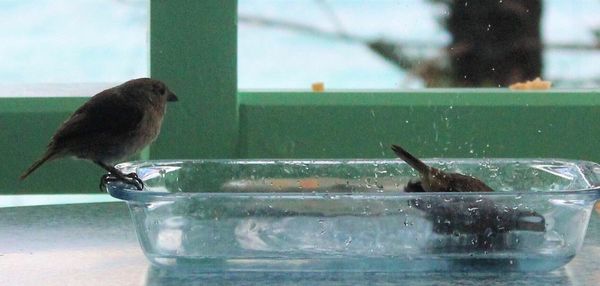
{"x": 494, "y": 43}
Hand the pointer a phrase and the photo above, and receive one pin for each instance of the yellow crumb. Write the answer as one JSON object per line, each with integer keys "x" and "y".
{"x": 281, "y": 183}
{"x": 536, "y": 84}
{"x": 318, "y": 87}
{"x": 308, "y": 183}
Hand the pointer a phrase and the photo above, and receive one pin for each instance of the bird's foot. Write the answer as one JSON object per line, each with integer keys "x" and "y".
{"x": 105, "y": 179}
{"x": 136, "y": 181}
{"x": 131, "y": 179}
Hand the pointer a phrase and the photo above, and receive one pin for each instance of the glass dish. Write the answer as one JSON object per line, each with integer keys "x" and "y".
{"x": 353, "y": 215}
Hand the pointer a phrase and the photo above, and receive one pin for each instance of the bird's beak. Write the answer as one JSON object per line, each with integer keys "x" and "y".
{"x": 172, "y": 97}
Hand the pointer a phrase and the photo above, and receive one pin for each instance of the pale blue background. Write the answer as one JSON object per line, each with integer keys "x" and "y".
{"x": 77, "y": 41}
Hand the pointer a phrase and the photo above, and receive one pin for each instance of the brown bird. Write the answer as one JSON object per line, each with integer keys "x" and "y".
{"x": 477, "y": 215}
{"x": 435, "y": 180}
{"x": 487, "y": 222}
{"x": 112, "y": 125}
{"x": 484, "y": 220}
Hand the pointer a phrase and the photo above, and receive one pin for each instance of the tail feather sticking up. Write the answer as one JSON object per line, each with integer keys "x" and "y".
{"x": 411, "y": 160}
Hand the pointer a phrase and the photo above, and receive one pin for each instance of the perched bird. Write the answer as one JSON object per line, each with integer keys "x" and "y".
{"x": 435, "y": 180}
{"x": 485, "y": 221}
{"x": 112, "y": 125}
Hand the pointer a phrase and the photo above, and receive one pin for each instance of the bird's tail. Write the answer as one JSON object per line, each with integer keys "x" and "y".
{"x": 48, "y": 156}
{"x": 411, "y": 160}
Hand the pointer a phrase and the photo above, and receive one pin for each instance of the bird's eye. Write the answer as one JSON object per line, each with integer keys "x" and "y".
{"x": 159, "y": 89}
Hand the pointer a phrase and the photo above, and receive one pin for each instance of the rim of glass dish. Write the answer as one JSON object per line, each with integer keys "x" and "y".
{"x": 350, "y": 160}
{"x": 129, "y": 193}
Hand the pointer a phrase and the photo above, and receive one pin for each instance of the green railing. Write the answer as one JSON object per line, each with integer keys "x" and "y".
{"x": 27, "y": 125}
{"x": 193, "y": 48}
{"x": 439, "y": 123}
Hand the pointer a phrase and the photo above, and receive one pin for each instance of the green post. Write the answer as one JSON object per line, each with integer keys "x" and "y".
{"x": 193, "y": 48}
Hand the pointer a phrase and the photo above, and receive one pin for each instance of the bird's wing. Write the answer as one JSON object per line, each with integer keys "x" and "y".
{"x": 464, "y": 183}
{"x": 106, "y": 114}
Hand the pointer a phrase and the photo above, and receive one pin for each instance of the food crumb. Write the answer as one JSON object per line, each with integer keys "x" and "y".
{"x": 318, "y": 87}
{"x": 536, "y": 84}
{"x": 308, "y": 183}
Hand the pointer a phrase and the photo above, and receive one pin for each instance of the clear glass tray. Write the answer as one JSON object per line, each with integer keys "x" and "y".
{"x": 353, "y": 215}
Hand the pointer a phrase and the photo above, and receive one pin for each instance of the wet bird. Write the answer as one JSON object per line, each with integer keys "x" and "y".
{"x": 484, "y": 221}
{"x": 435, "y": 180}
{"x": 111, "y": 126}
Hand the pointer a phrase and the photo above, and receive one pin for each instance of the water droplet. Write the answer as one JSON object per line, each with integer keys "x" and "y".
{"x": 348, "y": 241}
{"x": 488, "y": 232}
{"x": 370, "y": 182}
{"x": 323, "y": 228}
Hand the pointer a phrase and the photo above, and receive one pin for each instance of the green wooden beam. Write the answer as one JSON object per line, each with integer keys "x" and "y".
{"x": 193, "y": 48}
{"x": 424, "y": 97}
{"x": 430, "y": 123}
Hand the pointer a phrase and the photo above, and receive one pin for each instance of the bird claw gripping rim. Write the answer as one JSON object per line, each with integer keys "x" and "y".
{"x": 132, "y": 179}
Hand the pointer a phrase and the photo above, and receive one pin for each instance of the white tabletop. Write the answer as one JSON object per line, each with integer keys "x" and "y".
{"x": 95, "y": 244}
